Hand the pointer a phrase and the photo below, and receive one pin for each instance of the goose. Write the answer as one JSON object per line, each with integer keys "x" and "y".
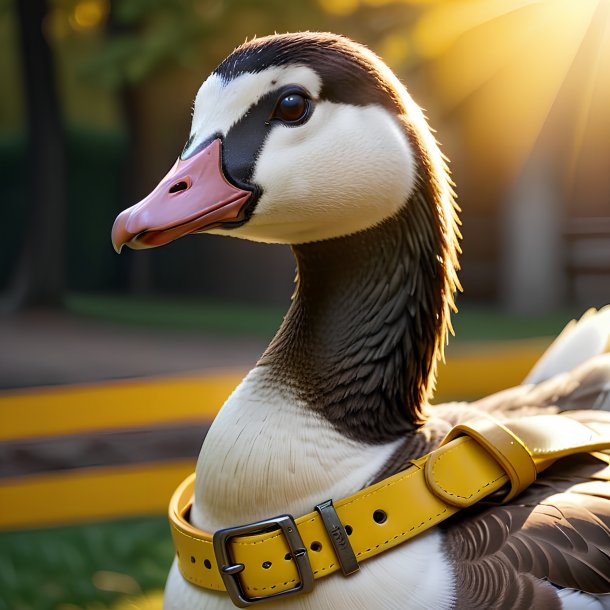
{"x": 310, "y": 140}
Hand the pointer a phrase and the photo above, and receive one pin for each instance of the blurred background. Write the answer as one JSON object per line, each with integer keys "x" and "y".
{"x": 95, "y": 107}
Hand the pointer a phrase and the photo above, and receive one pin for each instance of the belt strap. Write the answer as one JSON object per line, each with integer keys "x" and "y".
{"x": 475, "y": 460}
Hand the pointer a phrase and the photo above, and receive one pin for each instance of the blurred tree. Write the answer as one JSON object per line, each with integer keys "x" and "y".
{"x": 146, "y": 39}
{"x": 39, "y": 276}
{"x": 149, "y": 53}
{"x": 143, "y": 36}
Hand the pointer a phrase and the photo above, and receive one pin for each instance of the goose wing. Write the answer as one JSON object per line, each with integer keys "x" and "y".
{"x": 556, "y": 533}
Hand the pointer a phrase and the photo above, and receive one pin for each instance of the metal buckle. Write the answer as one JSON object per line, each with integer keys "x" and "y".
{"x": 230, "y": 571}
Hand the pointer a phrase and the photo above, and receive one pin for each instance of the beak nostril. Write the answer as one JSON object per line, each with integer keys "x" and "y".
{"x": 182, "y": 185}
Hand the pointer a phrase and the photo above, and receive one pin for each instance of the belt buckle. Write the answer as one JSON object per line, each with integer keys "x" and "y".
{"x": 229, "y": 570}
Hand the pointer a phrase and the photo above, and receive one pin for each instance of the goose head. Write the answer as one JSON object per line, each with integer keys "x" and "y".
{"x": 294, "y": 139}
{"x": 310, "y": 140}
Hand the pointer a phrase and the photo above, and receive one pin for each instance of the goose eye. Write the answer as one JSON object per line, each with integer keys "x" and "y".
{"x": 292, "y": 108}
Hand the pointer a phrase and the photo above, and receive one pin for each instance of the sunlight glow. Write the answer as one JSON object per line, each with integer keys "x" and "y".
{"x": 347, "y": 7}
{"x": 339, "y": 7}
{"x": 509, "y": 64}
{"x": 89, "y": 14}
{"x": 442, "y": 26}
{"x": 395, "y": 48}
{"x": 591, "y": 134}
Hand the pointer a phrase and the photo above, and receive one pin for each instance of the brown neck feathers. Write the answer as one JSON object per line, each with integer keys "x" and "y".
{"x": 368, "y": 321}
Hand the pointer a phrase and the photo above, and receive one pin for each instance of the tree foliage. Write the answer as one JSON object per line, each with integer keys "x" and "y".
{"x": 138, "y": 43}
{"x": 147, "y": 34}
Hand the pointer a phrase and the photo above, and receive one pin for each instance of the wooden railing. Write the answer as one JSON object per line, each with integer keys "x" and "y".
{"x": 587, "y": 254}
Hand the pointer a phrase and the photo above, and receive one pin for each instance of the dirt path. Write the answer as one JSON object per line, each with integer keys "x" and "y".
{"x": 42, "y": 348}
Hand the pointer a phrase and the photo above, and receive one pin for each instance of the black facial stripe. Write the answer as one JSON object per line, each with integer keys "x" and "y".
{"x": 242, "y": 145}
{"x": 244, "y": 141}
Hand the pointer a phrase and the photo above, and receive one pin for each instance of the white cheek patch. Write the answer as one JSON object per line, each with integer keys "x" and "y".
{"x": 219, "y": 104}
{"x": 345, "y": 170}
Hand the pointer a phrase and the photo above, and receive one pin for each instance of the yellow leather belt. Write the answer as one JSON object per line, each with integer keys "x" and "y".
{"x": 283, "y": 555}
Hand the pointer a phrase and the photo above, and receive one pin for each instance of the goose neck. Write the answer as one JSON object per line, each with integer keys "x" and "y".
{"x": 360, "y": 341}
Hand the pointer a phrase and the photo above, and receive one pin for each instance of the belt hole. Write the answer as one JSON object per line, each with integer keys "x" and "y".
{"x": 207, "y": 564}
{"x": 380, "y": 516}
{"x": 287, "y": 556}
{"x": 266, "y": 565}
{"x": 316, "y": 546}
{"x": 348, "y": 530}
{"x": 192, "y": 559}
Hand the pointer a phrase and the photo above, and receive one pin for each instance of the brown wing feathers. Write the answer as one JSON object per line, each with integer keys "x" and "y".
{"x": 559, "y": 531}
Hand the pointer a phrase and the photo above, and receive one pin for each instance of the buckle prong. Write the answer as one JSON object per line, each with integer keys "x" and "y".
{"x": 236, "y": 568}
{"x": 229, "y": 570}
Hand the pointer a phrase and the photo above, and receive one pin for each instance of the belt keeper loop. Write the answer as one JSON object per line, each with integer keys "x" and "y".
{"x": 338, "y": 537}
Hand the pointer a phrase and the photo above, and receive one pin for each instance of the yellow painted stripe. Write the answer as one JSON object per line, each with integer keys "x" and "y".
{"x": 471, "y": 371}
{"x": 74, "y": 409}
{"x": 151, "y": 600}
{"x": 474, "y": 371}
{"x": 89, "y": 494}
{"x": 101, "y": 493}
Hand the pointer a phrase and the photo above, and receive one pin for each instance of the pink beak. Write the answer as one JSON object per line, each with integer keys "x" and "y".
{"x": 192, "y": 197}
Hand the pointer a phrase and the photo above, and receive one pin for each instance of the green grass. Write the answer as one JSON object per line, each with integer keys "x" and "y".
{"x": 173, "y": 314}
{"x": 83, "y": 566}
{"x": 231, "y": 319}
{"x": 486, "y": 324}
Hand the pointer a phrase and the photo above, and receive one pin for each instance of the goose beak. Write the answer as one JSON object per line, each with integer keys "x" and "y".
{"x": 192, "y": 197}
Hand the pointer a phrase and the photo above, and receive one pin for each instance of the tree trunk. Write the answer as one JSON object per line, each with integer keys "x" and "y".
{"x": 136, "y": 275}
{"x": 39, "y": 278}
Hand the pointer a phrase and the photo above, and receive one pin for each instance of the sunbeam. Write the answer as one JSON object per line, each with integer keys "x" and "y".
{"x": 508, "y": 65}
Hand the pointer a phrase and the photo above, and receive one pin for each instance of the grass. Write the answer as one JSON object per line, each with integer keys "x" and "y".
{"x": 90, "y": 566}
{"x": 231, "y": 319}
{"x": 486, "y": 324}
{"x": 174, "y": 314}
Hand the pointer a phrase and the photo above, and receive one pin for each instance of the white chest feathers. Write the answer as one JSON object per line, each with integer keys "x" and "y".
{"x": 267, "y": 454}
